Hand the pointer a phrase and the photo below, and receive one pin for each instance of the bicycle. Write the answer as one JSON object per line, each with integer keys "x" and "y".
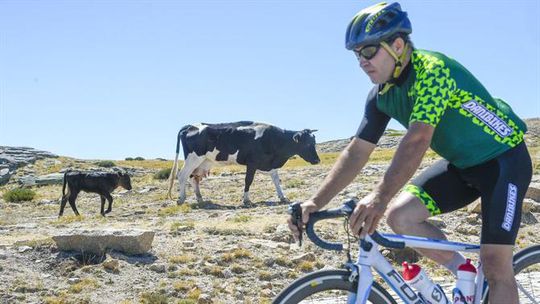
{"x": 354, "y": 282}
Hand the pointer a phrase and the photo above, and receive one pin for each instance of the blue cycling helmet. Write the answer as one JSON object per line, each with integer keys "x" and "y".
{"x": 375, "y": 24}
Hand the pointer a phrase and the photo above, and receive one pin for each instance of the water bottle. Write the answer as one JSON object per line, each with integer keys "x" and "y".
{"x": 465, "y": 285}
{"x": 417, "y": 278}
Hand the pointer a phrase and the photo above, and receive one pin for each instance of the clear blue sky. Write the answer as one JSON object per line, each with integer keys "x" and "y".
{"x": 112, "y": 79}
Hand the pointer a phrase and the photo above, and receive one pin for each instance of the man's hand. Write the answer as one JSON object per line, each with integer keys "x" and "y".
{"x": 366, "y": 215}
{"x": 307, "y": 208}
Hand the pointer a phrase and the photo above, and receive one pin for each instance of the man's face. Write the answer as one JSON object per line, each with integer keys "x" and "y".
{"x": 379, "y": 68}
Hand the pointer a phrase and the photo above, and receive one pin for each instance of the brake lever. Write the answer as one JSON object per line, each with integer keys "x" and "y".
{"x": 295, "y": 210}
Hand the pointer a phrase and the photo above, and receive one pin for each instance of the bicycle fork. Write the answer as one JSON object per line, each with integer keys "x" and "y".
{"x": 370, "y": 257}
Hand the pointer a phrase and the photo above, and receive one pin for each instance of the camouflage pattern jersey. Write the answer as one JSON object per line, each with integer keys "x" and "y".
{"x": 471, "y": 126}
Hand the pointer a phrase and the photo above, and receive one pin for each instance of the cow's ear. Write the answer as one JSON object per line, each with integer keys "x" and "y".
{"x": 296, "y": 137}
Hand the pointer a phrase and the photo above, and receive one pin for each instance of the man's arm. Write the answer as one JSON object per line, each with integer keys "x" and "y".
{"x": 405, "y": 162}
{"x": 346, "y": 168}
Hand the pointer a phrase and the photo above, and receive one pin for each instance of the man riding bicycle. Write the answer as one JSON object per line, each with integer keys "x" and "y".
{"x": 443, "y": 106}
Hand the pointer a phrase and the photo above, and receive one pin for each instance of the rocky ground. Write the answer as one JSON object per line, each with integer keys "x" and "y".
{"x": 216, "y": 252}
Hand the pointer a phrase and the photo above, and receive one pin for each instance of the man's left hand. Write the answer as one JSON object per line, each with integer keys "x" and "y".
{"x": 367, "y": 214}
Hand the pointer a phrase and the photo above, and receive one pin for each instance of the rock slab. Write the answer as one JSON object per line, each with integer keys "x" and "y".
{"x": 129, "y": 242}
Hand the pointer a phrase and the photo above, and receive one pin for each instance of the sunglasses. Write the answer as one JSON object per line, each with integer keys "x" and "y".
{"x": 368, "y": 52}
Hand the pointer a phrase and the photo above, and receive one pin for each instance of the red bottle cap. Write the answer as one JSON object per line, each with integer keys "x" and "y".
{"x": 410, "y": 271}
{"x": 467, "y": 266}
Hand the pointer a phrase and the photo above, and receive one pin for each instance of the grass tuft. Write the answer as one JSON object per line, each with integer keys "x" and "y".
{"x": 19, "y": 195}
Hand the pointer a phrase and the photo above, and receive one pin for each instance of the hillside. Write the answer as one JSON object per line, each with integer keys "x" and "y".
{"x": 216, "y": 252}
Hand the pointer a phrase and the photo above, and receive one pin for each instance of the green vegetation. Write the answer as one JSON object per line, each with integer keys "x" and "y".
{"x": 105, "y": 164}
{"x": 163, "y": 173}
{"x": 241, "y": 218}
{"x": 174, "y": 209}
{"x": 155, "y": 297}
{"x": 182, "y": 259}
{"x": 86, "y": 284}
{"x": 19, "y": 195}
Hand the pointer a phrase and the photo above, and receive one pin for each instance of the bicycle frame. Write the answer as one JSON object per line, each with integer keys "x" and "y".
{"x": 370, "y": 257}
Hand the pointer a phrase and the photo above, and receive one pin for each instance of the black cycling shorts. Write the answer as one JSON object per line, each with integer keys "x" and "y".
{"x": 501, "y": 183}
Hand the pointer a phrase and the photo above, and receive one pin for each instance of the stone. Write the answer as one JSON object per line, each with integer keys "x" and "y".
{"x": 528, "y": 218}
{"x": 533, "y": 192}
{"x": 111, "y": 265}
{"x": 475, "y": 207}
{"x": 22, "y": 249}
{"x": 304, "y": 257}
{"x": 4, "y": 176}
{"x": 129, "y": 242}
{"x": 159, "y": 268}
{"x": 282, "y": 234}
{"x": 530, "y": 205}
{"x": 205, "y": 299}
{"x": 437, "y": 222}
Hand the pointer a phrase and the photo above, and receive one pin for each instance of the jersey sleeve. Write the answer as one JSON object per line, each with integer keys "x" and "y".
{"x": 432, "y": 89}
{"x": 374, "y": 121}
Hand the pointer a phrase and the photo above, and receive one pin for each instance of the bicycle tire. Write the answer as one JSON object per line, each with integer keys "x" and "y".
{"x": 527, "y": 273}
{"x": 332, "y": 281}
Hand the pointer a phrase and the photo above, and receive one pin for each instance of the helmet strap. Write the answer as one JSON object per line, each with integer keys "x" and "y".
{"x": 398, "y": 68}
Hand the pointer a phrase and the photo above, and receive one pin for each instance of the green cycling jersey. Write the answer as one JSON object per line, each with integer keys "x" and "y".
{"x": 471, "y": 126}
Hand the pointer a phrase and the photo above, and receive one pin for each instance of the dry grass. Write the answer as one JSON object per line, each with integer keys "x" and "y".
{"x": 84, "y": 284}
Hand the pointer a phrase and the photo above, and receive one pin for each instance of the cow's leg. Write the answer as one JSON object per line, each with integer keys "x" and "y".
{"x": 250, "y": 174}
{"x": 71, "y": 199}
{"x": 102, "y": 204}
{"x": 110, "y": 199}
{"x": 195, "y": 180}
{"x": 275, "y": 179}
{"x": 65, "y": 198}
{"x": 190, "y": 164}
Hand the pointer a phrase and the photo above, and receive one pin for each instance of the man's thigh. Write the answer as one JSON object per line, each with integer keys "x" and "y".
{"x": 441, "y": 189}
{"x": 503, "y": 183}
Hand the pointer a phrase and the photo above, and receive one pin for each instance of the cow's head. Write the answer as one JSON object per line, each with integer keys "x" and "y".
{"x": 306, "y": 142}
{"x": 124, "y": 180}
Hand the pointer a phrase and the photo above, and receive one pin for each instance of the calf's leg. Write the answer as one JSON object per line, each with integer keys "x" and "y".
{"x": 110, "y": 199}
{"x": 63, "y": 203}
{"x": 102, "y": 204}
{"x": 71, "y": 199}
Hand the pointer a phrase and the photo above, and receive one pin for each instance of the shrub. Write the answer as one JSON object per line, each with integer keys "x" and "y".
{"x": 138, "y": 158}
{"x": 163, "y": 173}
{"x": 19, "y": 195}
{"x": 129, "y": 158}
{"x": 105, "y": 164}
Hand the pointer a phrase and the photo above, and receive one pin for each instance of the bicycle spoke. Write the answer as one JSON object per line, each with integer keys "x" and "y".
{"x": 528, "y": 286}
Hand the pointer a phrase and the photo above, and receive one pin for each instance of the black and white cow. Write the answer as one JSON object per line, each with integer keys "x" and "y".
{"x": 258, "y": 146}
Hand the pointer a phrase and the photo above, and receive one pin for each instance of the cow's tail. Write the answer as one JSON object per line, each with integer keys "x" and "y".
{"x": 174, "y": 169}
{"x": 64, "y": 184}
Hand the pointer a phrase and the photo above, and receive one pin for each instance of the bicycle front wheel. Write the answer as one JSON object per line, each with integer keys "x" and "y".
{"x": 328, "y": 286}
{"x": 527, "y": 271}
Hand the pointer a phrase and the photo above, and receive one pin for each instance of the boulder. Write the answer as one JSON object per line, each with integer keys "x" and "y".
{"x": 4, "y": 176}
{"x": 129, "y": 242}
{"x": 49, "y": 179}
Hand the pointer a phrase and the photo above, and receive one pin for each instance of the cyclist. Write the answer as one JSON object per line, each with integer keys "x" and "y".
{"x": 443, "y": 106}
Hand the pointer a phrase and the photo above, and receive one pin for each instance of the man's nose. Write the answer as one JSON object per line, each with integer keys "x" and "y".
{"x": 363, "y": 62}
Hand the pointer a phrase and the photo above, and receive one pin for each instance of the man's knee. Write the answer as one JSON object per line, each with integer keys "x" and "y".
{"x": 407, "y": 210}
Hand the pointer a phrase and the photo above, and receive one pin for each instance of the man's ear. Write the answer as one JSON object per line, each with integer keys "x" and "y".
{"x": 398, "y": 45}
